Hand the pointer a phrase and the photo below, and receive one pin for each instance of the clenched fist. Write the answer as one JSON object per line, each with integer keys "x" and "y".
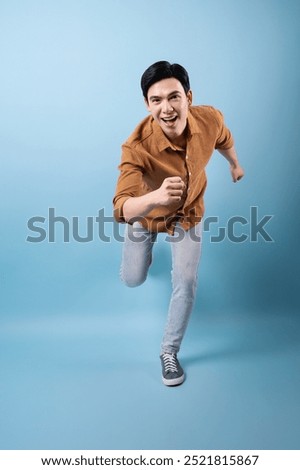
{"x": 237, "y": 173}
{"x": 170, "y": 191}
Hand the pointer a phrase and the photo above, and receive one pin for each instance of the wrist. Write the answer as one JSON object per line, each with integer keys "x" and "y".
{"x": 153, "y": 198}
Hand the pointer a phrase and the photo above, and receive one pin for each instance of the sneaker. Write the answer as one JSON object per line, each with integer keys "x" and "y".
{"x": 172, "y": 372}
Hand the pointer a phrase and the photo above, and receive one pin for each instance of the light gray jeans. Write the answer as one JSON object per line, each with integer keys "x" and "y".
{"x": 186, "y": 250}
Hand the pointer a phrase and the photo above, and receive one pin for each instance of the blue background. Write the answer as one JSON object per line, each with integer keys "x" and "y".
{"x": 79, "y": 351}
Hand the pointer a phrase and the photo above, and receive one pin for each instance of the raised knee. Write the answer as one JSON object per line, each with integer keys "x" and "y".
{"x": 131, "y": 282}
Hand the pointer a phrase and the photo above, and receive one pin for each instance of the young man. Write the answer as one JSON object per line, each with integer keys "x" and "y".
{"x": 160, "y": 189}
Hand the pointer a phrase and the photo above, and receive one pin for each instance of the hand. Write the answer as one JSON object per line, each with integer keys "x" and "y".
{"x": 170, "y": 191}
{"x": 237, "y": 173}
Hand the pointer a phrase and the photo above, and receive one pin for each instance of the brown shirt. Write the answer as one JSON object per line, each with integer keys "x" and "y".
{"x": 148, "y": 157}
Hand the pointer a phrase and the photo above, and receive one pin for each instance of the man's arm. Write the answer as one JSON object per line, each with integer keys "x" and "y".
{"x": 236, "y": 170}
{"x": 170, "y": 191}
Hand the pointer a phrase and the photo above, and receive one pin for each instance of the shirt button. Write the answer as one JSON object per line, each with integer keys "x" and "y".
{"x": 190, "y": 173}
{"x": 186, "y": 156}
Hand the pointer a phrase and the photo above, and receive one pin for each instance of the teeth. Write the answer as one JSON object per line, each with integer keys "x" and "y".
{"x": 169, "y": 119}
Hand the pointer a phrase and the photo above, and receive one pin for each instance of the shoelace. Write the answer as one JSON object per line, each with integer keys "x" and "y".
{"x": 170, "y": 362}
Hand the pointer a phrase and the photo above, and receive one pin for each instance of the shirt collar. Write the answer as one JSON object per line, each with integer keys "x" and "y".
{"x": 192, "y": 124}
{"x": 162, "y": 140}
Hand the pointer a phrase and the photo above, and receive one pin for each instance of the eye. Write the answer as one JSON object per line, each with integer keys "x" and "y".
{"x": 175, "y": 97}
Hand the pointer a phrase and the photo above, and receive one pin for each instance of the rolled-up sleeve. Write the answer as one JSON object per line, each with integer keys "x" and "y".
{"x": 224, "y": 138}
{"x": 130, "y": 180}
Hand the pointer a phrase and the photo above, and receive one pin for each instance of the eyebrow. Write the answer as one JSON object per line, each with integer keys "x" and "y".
{"x": 170, "y": 94}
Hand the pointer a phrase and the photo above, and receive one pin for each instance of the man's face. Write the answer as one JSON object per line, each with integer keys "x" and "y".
{"x": 168, "y": 104}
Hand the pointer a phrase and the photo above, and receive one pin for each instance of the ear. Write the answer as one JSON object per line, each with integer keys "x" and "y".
{"x": 190, "y": 97}
{"x": 147, "y": 104}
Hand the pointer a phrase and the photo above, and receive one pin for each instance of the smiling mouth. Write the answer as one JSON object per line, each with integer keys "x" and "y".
{"x": 169, "y": 120}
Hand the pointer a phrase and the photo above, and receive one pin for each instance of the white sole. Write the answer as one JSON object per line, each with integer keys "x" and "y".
{"x": 172, "y": 382}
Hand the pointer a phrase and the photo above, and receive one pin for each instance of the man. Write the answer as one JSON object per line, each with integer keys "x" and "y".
{"x": 160, "y": 189}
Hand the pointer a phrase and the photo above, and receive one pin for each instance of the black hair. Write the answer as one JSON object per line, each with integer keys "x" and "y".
{"x": 161, "y": 70}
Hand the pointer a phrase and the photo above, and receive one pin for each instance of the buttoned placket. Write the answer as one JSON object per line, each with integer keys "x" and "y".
{"x": 188, "y": 189}
{"x": 187, "y": 159}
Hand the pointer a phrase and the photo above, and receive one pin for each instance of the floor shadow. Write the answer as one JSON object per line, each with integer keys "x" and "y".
{"x": 257, "y": 337}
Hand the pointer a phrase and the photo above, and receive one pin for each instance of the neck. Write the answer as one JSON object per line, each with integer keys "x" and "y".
{"x": 180, "y": 141}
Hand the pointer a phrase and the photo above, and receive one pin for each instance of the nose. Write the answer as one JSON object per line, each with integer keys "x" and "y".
{"x": 166, "y": 107}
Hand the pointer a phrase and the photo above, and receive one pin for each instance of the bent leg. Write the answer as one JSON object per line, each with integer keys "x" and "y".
{"x": 137, "y": 254}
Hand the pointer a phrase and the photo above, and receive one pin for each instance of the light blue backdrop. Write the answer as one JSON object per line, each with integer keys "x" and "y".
{"x": 69, "y": 97}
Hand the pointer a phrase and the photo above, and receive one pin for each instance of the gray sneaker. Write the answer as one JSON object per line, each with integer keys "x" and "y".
{"x": 172, "y": 372}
